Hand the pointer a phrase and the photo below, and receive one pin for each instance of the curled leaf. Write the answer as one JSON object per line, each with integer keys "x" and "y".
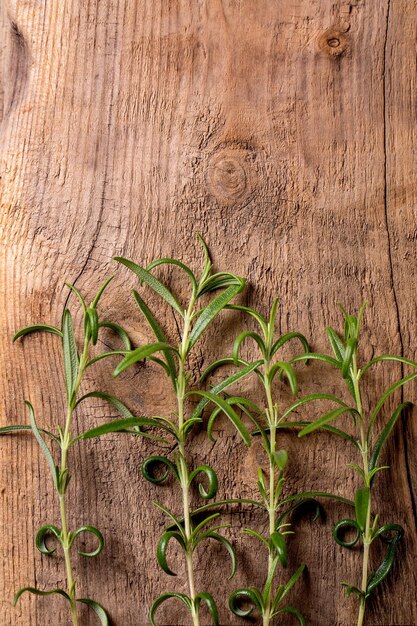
{"x": 162, "y": 548}
{"x": 343, "y": 525}
{"x": 249, "y": 596}
{"x": 94, "y": 531}
{"x": 212, "y": 481}
{"x": 212, "y": 607}
{"x": 37, "y": 592}
{"x": 166, "y": 596}
{"x": 151, "y": 463}
{"x": 98, "y": 610}
{"x": 41, "y": 535}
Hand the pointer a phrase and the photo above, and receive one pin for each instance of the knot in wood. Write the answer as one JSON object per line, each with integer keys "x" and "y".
{"x": 229, "y": 175}
{"x": 333, "y": 42}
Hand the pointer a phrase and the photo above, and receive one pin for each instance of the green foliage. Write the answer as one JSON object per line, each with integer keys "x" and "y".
{"x": 188, "y": 530}
{"x": 75, "y": 364}
{"x": 365, "y": 529}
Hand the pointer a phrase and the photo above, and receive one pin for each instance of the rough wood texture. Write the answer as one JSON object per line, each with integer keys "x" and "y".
{"x": 286, "y": 133}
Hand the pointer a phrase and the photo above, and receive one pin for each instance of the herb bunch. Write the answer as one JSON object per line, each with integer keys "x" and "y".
{"x": 189, "y": 528}
{"x": 75, "y": 365}
{"x": 268, "y": 420}
{"x": 368, "y": 445}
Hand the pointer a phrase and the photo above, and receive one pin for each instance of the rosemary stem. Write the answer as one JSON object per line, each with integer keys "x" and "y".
{"x": 272, "y": 504}
{"x": 184, "y": 474}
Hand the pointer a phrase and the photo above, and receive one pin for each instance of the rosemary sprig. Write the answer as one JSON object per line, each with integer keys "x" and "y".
{"x": 267, "y": 420}
{"x": 191, "y": 527}
{"x": 75, "y": 365}
{"x": 368, "y": 445}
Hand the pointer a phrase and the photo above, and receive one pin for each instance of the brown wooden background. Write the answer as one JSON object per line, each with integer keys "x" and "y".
{"x": 284, "y": 131}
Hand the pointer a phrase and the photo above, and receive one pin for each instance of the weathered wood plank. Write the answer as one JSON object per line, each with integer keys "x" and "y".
{"x": 285, "y": 133}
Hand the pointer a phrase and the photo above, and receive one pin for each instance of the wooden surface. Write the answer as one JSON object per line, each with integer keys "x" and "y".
{"x": 284, "y": 131}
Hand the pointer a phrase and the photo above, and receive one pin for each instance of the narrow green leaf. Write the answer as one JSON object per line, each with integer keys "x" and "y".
{"x": 140, "y": 354}
{"x": 384, "y": 436}
{"x": 98, "y": 610}
{"x": 289, "y": 372}
{"x": 212, "y": 310}
{"x": 292, "y": 611}
{"x": 100, "y": 292}
{"x": 153, "y": 461}
{"x": 119, "y": 330}
{"x": 251, "y": 596}
{"x": 256, "y": 535}
{"x": 41, "y": 535}
{"x": 344, "y": 525}
{"x": 92, "y": 318}
{"x": 227, "y": 410}
{"x": 289, "y": 337}
{"x": 120, "y": 425}
{"x": 244, "y": 309}
{"x": 336, "y": 343}
{"x": 326, "y": 427}
{"x": 94, "y": 531}
{"x": 211, "y": 604}
{"x": 74, "y": 289}
{"x": 361, "y": 506}
{"x": 176, "y": 522}
{"x": 158, "y": 332}
{"x": 166, "y": 596}
{"x": 386, "y": 565}
{"x": 279, "y": 545}
{"x": 212, "y": 481}
{"x": 241, "y": 338}
{"x": 347, "y": 359}
{"x": 385, "y": 396}
{"x": 224, "y": 384}
{"x": 37, "y": 592}
{"x": 321, "y": 421}
{"x": 225, "y": 542}
{"x": 70, "y": 354}
{"x": 316, "y": 494}
{"x": 148, "y": 278}
{"x": 292, "y": 581}
{"x": 386, "y": 357}
{"x": 162, "y": 548}
{"x": 102, "y": 395}
{"x": 5, "y": 430}
{"x": 45, "y": 328}
{"x": 42, "y": 444}
{"x": 185, "y": 268}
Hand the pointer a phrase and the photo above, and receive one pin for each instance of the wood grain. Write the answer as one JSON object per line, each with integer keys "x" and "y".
{"x": 285, "y": 132}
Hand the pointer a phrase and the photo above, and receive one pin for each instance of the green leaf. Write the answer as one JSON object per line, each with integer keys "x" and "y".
{"x": 343, "y": 525}
{"x": 74, "y": 289}
{"x": 92, "y": 318}
{"x": 314, "y": 356}
{"x": 212, "y": 310}
{"x": 386, "y": 357}
{"x": 310, "y": 398}
{"x": 244, "y": 309}
{"x": 212, "y": 607}
{"x": 45, "y": 328}
{"x": 284, "y": 590}
{"x": 168, "y": 261}
{"x": 224, "y": 384}
{"x": 256, "y": 535}
{"x": 383, "y": 437}
{"x": 293, "y": 611}
{"x": 218, "y": 281}
{"x": 289, "y": 337}
{"x": 150, "y": 462}
{"x": 326, "y": 427}
{"x": 279, "y": 545}
{"x": 41, "y": 536}
{"x": 139, "y": 354}
{"x": 116, "y": 328}
{"x": 120, "y": 425}
{"x": 166, "y": 596}
{"x": 176, "y": 521}
{"x": 361, "y": 506}
{"x": 94, "y": 531}
{"x": 348, "y": 356}
{"x": 37, "y": 592}
{"x": 225, "y": 542}
{"x": 241, "y": 338}
{"x": 158, "y": 332}
{"x": 251, "y": 596}
{"x": 227, "y": 410}
{"x": 207, "y": 261}
{"x": 336, "y": 344}
{"x": 102, "y": 395}
{"x": 385, "y": 396}
{"x": 146, "y": 277}
{"x": 383, "y": 570}
{"x": 98, "y": 610}
{"x": 5, "y": 430}
{"x": 162, "y": 548}
{"x": 300, "y": 503}
{"x": 212, "y": 481}
{"x": 42, "y": 444}
{"x": 100, "y": 292}
{"x": 289, "y": 372}
{"x": 70, "y": 354}
{"x": 316, "y": 494}
{"x": 280, "y": 459}
{"x": 323, "y": 420}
